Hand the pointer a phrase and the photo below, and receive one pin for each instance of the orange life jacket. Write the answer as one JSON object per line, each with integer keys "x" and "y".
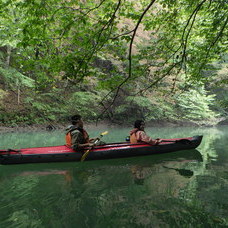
{"x": 68, "y": 137}
{"x": 133, "y": 138}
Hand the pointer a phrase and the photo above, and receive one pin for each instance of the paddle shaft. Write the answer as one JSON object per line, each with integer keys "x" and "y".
{"x": 87, "y": 152}
{"x": 92, "y": 146}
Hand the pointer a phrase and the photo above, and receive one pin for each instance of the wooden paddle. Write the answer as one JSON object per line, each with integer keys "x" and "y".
{"x": 96, "y": 141}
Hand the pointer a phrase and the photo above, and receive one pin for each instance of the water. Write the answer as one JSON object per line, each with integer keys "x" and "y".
{"x": 181, "y": 189}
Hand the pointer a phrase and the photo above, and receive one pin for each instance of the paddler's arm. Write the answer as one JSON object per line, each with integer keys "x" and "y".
{"x": 92, "y": 140}
{"x": 76, "y": 138}
{"x": 85, "y": 145}
{"x": 145, "y": 138}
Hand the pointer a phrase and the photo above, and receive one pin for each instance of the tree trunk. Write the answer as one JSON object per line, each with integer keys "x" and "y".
{"x": 8, "y": 55}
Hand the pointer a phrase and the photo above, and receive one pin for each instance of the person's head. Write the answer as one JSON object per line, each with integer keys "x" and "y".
{"x": 77, "y": 120}
{"x": 140, "y": 124}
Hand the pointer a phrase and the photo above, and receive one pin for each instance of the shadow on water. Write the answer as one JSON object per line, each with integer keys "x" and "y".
{"x": 182, "y": 172}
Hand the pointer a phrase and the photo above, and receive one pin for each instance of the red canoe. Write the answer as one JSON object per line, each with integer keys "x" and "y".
{"x": 108, "y": 151}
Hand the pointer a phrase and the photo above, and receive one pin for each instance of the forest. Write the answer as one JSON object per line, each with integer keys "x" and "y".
{"x": 114, "y": 60}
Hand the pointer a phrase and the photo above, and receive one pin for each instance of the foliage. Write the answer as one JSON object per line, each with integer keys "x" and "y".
{"x": 218, "y": 84}
{"x": 2, "y": 95}
{"x": 85, "y": 103}
{"x": 47, "y": 107}
{"x": 191, "y": 105}
{"x": 122, "y": 47}
{"x": 68, "y": 35}
{"x": 15, "y": 79}
{"x": 140, "y": 107}
{"x": 194, "y": 105}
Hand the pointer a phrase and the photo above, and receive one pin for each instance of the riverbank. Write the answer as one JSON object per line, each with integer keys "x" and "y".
{"x": 54, "y": 126}
{"x": 104, "y": 125}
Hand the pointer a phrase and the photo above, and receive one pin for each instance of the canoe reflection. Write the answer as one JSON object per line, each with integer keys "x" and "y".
{"x": 67, "y": 174}
{"x": 176, "y": 162}
{"x": 139, "y": 167}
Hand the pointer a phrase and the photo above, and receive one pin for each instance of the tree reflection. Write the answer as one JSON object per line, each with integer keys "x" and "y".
{"x": 180, "y": 189}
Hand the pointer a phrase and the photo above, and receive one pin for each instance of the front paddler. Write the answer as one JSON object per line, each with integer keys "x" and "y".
{"x": 76, "y": 136}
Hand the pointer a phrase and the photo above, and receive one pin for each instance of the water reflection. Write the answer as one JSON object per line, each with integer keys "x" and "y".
{"x": 138, "y": 174}
{"x": 180, "y": 189}
{"x": 182, "y": 172}
{"x": 93, "y": 188}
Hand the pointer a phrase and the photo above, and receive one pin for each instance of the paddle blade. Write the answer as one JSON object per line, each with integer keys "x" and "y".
{"x": 104, "y": 133}
{"x": 85, "y": 155}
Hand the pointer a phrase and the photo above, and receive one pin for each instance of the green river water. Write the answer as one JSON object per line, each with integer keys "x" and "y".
{"x": 180, "y": 189}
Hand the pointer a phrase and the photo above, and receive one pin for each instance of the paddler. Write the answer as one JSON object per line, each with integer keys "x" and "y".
{"x": 76, "y": 136}
{"x": 139, "y": 135}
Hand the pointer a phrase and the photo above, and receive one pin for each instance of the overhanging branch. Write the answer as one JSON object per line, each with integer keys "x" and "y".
{"x": 117, "y": 89}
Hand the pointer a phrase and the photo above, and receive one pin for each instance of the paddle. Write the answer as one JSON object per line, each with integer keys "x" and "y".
{"x": 183, "y": 141}
{"x": 96, "y": 141}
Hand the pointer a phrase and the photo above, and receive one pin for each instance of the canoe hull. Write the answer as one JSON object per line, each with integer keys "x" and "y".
{"x": 109, "y": 151}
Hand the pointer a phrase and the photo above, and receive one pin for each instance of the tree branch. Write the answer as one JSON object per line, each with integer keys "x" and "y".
{"x": 185, "y": 40}
{"x": 159, "y": 79}
{"x": 96, "y": 46}
{"x": 124, "y": 34}
{"x": 219, "y": 35}
{"x": 129, "y": 60}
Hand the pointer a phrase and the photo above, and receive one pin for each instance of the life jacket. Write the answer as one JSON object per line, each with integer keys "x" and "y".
{"x": 68, "y": 137}
{"x": 133, "y": 137}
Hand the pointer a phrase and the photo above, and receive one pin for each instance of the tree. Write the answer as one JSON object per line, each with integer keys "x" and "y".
{"x": 68, "y": 40}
